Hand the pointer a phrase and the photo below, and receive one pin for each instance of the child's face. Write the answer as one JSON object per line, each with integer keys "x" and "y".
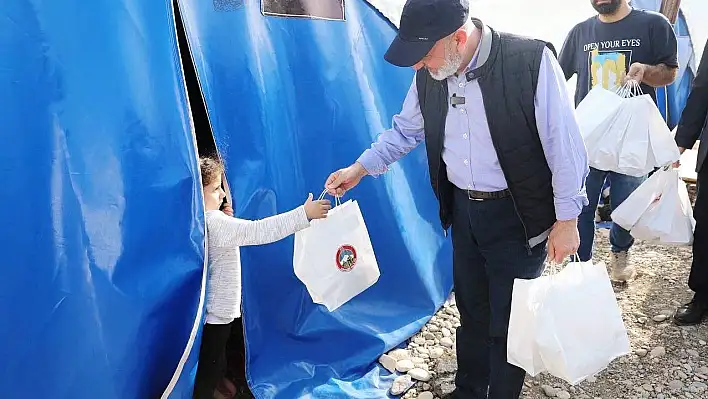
{"x": 214, "y": 195}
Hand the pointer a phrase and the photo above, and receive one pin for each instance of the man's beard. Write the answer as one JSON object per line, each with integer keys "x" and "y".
{"x": 607, "y": 8}
{"x": 453, "y": 60}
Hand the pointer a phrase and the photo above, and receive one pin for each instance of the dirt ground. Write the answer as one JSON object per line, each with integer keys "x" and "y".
{"x": 666, "y": 361}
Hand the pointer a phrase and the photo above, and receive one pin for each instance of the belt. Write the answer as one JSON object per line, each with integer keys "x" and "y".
{"x": 487, "y": 195}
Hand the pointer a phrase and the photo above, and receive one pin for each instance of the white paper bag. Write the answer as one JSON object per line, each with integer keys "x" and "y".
{"x": 573, "y": 320}
{"x": 624, "y": 131}
{"x": 597, "y": 106}
{"x": 334, "y": 257}
{"x": 659, "y": 210}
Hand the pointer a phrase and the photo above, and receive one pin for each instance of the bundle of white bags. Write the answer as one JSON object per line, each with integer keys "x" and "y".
{"x": 624, "y": 131}
{"x": 567, "y": 323}
{"x": 334, "y": 257}
{"x": 659, "y": 210}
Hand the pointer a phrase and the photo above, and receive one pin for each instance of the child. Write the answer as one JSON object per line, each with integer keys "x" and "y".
{"x": 225, "y": 235}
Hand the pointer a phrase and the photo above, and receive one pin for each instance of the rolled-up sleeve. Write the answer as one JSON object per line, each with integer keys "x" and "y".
{"x": 561, "y": 139}
{"x": 405, "y": 134}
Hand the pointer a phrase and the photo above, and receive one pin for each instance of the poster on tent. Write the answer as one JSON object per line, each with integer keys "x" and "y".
{"x": 332, "y": 10}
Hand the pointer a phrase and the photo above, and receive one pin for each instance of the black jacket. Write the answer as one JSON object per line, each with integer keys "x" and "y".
{"x": 693, "y": 119}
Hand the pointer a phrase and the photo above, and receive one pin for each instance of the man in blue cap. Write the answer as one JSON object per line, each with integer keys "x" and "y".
{"x": 507, "y": 164}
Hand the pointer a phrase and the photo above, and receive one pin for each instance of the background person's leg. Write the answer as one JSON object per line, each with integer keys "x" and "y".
{"x": 586, "y": 220}
{"x": 620, "y": 239}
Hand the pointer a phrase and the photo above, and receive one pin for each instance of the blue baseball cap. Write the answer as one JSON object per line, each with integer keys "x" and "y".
{"x": 423, "y": 23}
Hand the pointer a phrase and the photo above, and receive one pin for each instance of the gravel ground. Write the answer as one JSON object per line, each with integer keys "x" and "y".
{"x": 667, "y": 361}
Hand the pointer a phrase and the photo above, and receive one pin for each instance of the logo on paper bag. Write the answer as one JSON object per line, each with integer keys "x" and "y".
{"x": 346, "y": 258}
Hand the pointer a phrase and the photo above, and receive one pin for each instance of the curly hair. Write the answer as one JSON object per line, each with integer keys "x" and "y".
{"x": 211, "y": 169}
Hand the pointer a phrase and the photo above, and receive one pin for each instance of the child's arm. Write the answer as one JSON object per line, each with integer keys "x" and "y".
{"x": 226, "y": 231}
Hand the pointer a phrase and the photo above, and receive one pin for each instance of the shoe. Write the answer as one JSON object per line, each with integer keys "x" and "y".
{"x": 620, "y": 269}
{"x": 691, "y": 313}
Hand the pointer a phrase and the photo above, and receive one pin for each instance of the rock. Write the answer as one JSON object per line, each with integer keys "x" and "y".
{"x": 419, "y": 340}
{"x": 399, "y": 354}
{"x": 640, "y": 352}
{"x": 697, "y": 387}
{"x": 433, "y": 328}
{"x": 702, "y": 342}
{"x": 642, "y": 320}
{"x": 692, "y": 352}
{"x": 417, "y": 360}
{"x": 563, "y": 395}
{"x": 401, "y": 384}
{"x": 435, "y": 353}
{"x": 549, "y": 391}
{"x": 422, "y": 351}
{"x": 702, "y": 370}
{"x": 658, "y": 352}
{"x": 404, "y": 365}
{"x": 660, "y": 318}
{"x": 675, "y": 385}
{"x": 388, "y": 362}
{"x": 429, "y": 336}
{"x": 681, "y": 375}
{"x": 446, "y": 342}
{"x": 443, "y": 382}
{"x": 445, "y": 332}
{"x": 425, "y": 395}
{"x": 419, "y": 374}
{"x": 591, "y": 379}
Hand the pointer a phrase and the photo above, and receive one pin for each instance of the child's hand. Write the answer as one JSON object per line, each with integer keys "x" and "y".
{"x": 316, "y": 209}
{"x": 227, "y": 209}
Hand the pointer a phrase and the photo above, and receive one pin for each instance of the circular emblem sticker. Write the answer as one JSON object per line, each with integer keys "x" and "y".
{"x": 346, "y": 258}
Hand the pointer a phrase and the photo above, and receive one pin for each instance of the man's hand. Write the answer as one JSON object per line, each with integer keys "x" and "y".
{"x": 563, "y": 241}
{"x": 344, "y": 179}
{"x": 636, "y": 73}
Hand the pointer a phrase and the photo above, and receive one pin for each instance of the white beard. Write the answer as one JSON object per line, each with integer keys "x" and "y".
{"x": 453, "y": 60}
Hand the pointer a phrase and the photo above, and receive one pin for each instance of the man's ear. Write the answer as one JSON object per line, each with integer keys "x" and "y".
{"x": 460, "y": 37}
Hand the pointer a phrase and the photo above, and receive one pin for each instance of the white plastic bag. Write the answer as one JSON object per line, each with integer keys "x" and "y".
{"x": 568, "y": 323}
{"x": 659, "y": 210}
{"x": 334, "y": 257}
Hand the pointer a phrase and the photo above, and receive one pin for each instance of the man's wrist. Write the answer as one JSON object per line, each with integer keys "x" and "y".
{"x": 360, "y": 169}
{"x": 567, "y": 221}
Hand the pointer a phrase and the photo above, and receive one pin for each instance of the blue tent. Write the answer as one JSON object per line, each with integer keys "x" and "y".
{"x": 102, "y": 289}
{"x": 103, "y": 237}
{"x": 103, "y": 285}
{"x": 672, "y": 99}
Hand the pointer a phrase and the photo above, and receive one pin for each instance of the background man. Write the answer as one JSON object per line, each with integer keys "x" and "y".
{"x": 618, "y": 44}
{"x": 691, "y": 126}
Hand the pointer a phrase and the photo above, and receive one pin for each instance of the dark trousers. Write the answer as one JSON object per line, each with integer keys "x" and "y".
{"x": 489, "y": 252}
{"x": 698, "y": 279}
{"x": 221, "y": 354}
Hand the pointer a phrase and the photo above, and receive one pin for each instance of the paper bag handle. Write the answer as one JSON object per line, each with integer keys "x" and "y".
{"x": 337, "y": 200}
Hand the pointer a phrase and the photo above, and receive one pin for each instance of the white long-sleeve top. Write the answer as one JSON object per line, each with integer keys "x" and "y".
{"x": 225, "y": 235}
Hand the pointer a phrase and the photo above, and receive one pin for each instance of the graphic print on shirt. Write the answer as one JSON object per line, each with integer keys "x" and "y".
{"x": 609, "y": 62}
{"x": 346, "y": 258}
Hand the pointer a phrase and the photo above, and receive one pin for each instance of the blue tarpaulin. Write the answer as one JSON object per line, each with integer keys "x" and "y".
{"x": 290, "y": 100}
{"x": 103, "y": 229}
{"x": 102, "y": 280}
